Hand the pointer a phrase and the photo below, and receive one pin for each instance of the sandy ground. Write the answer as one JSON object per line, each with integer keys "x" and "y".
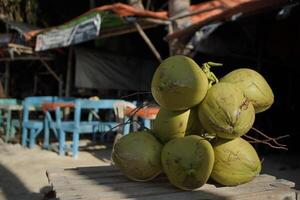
{"x": 23, "y": 171}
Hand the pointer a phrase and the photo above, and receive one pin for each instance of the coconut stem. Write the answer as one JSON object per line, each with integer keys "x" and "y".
{"x": 268, "y": 140}
{"x": 131, "y": 114}
{"x": 271, "y": 139}
{"x": 212, "y": 79}
{"x": 254, "y": 140}
{"x": 134, "y": 94}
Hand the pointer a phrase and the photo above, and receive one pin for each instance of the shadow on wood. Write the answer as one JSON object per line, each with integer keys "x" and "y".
{"x": 107, "y": 182}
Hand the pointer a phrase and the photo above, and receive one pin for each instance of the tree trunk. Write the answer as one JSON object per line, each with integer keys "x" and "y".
{"x": 136, "y": 3}
{"x": 178, "y": 8}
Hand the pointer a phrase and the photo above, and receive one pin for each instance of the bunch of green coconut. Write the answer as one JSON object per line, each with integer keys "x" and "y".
{"x": 197, "y": 132}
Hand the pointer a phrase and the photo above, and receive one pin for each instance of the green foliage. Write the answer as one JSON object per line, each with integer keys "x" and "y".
{"x": 19, "y": 10}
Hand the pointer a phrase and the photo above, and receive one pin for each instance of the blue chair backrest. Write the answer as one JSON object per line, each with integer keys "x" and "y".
{"x": 37, "y": 101}
{"x": 9, "y": 101}
{"x": 34, "y": 102}
{"x": 95, "y": 105}
{"x": 64, "y": 99}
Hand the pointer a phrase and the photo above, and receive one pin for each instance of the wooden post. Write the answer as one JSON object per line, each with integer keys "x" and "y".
{"x": 51, "y": 71}
{"x": 35, "y": 84}
{"x": 136, "y": 4}
{"x": 2, "y": 94}
{"x": 148, "y": 41}
{"x": 92, "y": 4}
{"x": 60, "y": 86}
{"x": 69, "y": 72}
{"x": 6, "y": 80}
{"x": 56, "y": 76}
{"x": 178, "y": 8}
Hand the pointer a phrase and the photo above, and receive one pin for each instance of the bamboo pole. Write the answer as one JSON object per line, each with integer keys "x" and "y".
{"x": 177, "y": 8}
{"x": 148, "y": 41}
{"x": 7, "y": 77}
{"x": 192, "y": 13}
{"x": 52, "y": 72}
{"x": 69, "y": 72}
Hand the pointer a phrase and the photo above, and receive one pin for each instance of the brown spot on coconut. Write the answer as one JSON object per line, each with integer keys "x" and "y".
{"x": 226, "y": 112}
{"x": 236, "y": 162}
{"x": 253, "y": 85}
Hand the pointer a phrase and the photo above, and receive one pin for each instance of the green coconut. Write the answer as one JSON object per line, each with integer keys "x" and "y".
{"x": 254, "y": 87}
{"x": 170, "y": 124}
{"x": 179, "y": 83}
{"x": 137, "y": 155}
{"x": 188, "y": 161}
{"x": 226, "y": 112}
{"x": 236, "y": 162}
{"x": 194, "y": 126}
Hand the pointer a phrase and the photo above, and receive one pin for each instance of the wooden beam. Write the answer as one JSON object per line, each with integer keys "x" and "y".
{"x": 191, "y": 13}
{"x": 157, "y": 21}
{"x": 20, "y": 48}
{"x": 6, "y": 80}
{"x": 52, "y": 72}
{"x": 148, "y": 41}
{"x": 92, "y": 4}
{"x": 136, "y": 4}
{"x": 69, "y": 72}
{"x": 25, "y": 58}
{"x": 60, "y": 86}
{"x": 177, "y": 8}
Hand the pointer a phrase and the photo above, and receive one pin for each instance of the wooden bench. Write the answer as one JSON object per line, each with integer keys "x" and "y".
{"x": 107, "y": 182}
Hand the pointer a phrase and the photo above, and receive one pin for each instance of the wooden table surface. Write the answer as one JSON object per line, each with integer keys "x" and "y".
{"x": 107, "y": 182}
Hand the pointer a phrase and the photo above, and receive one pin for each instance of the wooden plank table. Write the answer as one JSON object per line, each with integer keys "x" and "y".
{"x": 107, "y": 182}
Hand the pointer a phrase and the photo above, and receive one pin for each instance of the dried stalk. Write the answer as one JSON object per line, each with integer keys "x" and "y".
{"x": 269, "y": 138}
{"x": 131, "y": 114}
{"x": 267, "y": 141}
{"x": 135, "y": 93}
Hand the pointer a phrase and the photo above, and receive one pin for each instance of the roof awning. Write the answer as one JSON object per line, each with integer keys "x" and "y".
{"x": 87, "y": 26}
{"x": 116, "y": 19}
{"x": 221, "y": 10}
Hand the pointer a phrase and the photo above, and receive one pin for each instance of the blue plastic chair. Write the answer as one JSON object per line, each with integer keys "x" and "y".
{"x": 7, "y": 106}
{"x": 50, "y": 124}
{"x": 91, "y": 125}
{"x": 36, "y": 125}
{"x": 32, "y": 105}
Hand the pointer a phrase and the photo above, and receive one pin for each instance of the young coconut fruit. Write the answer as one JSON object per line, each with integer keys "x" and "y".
{"x": 188, "y": 161}
{"x": 194, "y": 126}
{"x": 170, "y": 124}
{"x": 236, "y": 162}
{"x": 179, "y": 83}
{"x": 254, "y": 87}
{"x": 226, "y": 112}
{"x": 137, "y": 155}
